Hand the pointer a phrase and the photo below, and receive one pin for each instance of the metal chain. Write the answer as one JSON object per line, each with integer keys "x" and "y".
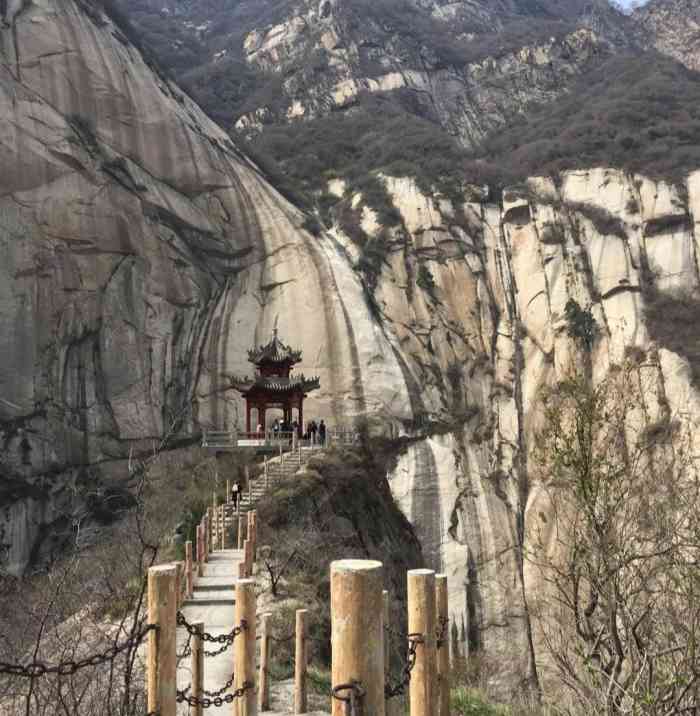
{"x": 206, "y": 702}
{"x": 187, "y": 651}
{"x": 354, "y": 699}
{"x": 68, "y": 668}
{"x": 221, "y": 639}
{"x": 216, "y": 652}
{"x": 391, "y": 691}
{"x": 220, "y": 691}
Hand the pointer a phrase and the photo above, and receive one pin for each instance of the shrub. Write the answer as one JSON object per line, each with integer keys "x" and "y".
{"x": 312, "y": 225}
{"x": 425, "y": 280}
{"x": 672, "y": 320}
{"x": 581, "y": 326}
{"x": 638, "y": 112}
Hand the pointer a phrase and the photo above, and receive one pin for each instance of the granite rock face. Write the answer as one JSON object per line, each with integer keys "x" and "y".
{"x": 143, "y": 254}
{"x": 673, "y": 28}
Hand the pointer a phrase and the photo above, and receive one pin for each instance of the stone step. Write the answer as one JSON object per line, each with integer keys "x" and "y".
{"x": 211, "y": 597}
{"x": 212, "y": 584}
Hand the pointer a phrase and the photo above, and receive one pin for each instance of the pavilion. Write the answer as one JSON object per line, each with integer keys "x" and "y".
{"x": 273, "y": 385}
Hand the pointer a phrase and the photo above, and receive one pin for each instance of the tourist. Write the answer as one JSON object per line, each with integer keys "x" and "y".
{"x": 235, "y": 493}
{"x": 322, "y": 433}
{"x": 312, "y": 431}
{"x": 276, "y": 427}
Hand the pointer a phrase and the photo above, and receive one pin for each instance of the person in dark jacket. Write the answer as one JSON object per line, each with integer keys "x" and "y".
{"x": 235, "y": 493}
{"x": 322, "y": 433}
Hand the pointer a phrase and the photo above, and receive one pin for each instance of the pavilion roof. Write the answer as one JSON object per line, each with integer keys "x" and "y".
{"x": 276, "y": 384}
{"x": 274, "y": 352}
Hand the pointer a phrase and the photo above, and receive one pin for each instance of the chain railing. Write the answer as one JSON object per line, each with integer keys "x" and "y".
{"x": 399, "y": 688}
{"x": 37, "y": 669}
{"x": 353, "y": 700}
{"x": 225, "y": 639}
{"x": 207, "y": 701}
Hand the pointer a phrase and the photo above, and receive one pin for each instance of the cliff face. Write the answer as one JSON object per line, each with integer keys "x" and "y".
{"x": 491, "y": 333}
{"x": 143, "y": 255}
{"x": 466, "y": 66}
{"x": 672, "y": 26}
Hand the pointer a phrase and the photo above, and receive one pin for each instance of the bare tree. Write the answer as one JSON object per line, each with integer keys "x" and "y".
{"x": 616, "y": 548}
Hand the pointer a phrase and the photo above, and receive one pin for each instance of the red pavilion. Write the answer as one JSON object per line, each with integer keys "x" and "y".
{"x": 273, "y": 385}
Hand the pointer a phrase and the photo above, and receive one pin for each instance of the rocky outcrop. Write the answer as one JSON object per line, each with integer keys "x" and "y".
{"x": 672, "y": 27}
{"x": 143, "y": 255}
{"x": 467, "y": 98}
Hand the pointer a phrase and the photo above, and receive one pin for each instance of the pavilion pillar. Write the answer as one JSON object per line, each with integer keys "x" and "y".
{"x": 247, "y": 415}
{"x": 301, "y": 416}
{"x": 261, "y": 416}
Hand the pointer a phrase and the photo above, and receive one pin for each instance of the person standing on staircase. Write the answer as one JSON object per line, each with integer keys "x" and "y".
{"x": 322, "y": 433}
{"x": 235, "y": 493}
{"x": 312, "y": 431}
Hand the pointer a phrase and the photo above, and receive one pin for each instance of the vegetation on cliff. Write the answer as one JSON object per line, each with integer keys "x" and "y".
{"x": 615, "y": 547}
{"x": 640, "y": 113}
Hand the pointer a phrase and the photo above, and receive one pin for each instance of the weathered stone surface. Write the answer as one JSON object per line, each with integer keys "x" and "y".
{"x": 142, "y": 255}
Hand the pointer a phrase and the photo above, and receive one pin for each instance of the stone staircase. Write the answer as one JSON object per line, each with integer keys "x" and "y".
{"x": 278, "y": 468}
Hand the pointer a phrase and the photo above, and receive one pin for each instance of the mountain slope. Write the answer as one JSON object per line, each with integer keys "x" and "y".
{"x": 144, "y": 254}
{"x": 673, "y": 27}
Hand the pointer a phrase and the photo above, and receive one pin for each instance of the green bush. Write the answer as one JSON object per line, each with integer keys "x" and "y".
{"x": 637, "y": 112}
{"x": 425, "y": 280}
{"x": 581, "y": 326}
{"x": 469, "y": 702}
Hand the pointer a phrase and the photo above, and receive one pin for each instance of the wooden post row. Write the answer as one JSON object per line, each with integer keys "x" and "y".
{"x": 443, "y": 648}
{"x": 223, "y": 526}
{"x": 240, "y": 532}
{"x": 189, "y": 576}
{"x": 244, "y": 649}
{"x": 161, "y": 664}
{"x": 421, "y": 620}
{"x": 264, "y": 675}
{"x": 357, "y": 640}
{"x": 198, "y": 667}
{"x": 301, "y": 661}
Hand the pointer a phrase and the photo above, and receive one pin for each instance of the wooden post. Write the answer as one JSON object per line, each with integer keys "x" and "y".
{"x": 264, "y": 677}
{"x": 301, "y": 661}
{"x": 223, "y": 526}
{"x": 267, "y": 475}
{"x": 391, "y": 705}
{"x": 240, "y": 532}
{"x": 162, "y": 657}
{"x": 385, "y": 610}
{"x": 421, "y": 620}
{"x": 242, "y": 570}
{"x": 198, "y": 667}
{"x": 248, "y": 557}
{"x": 188, "y": 569}
{"x": 200, "y": 551}
{"x": 253, "y": 536}
{"x": 210, "y": 531}
{"x": 244, "y": 649}
{"x": 443, "y": 647}
{"x": 178, "y": 583}
{"x": 356, "y": 631}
